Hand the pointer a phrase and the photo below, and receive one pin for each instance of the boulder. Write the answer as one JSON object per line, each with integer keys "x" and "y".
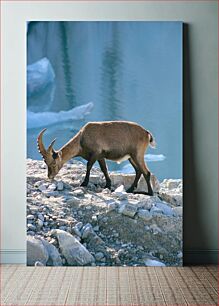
{"x": 87, "y": 230}
{"x": 171, "y": 191}
{"x": 178, "y": 211}
{"x": 60, "y": 186}
{"x": 171, "y": 196}
{"x": 73, "y": 251}
{"x": 166, "y": 210}
{"x": 73, "y": 201}
{"x": 153, "y": 263}
{"x": 128, "y": 210}
{"x": 127, "y": 180}
{"x": 120, "y": 192}
{"x": 144, "y": 214}
{"x": 95, "y": 179}
{"x": 54, "y": 256}
{"x": 36, "y": 251}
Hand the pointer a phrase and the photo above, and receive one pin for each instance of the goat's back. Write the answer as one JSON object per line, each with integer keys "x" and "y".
{"x": 120, "y": 136}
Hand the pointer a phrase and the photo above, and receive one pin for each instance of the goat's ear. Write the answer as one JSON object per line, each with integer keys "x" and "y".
{"x": 54, "y": 154}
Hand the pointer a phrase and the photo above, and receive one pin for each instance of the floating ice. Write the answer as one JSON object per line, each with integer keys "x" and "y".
{"x": 154, "y": 157}
{"x": 39, "y": 75}
{"x": 36, "y": 120}
{"x": 148, "y": 158}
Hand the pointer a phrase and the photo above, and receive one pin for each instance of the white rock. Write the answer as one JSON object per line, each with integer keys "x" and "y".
{"x": 94, "y": 218}
{"x": 111, "y": 206}
{"x": 52, "y": 187}
{"x": 60, "y": 186}
{"x": 78, "y": 192}
{"x": 79, "y": 225}
{"x": 120, "y": 192}
{"x": 42, "y": 187}
{"x": 39, "y": 264}
{"x": 153, "y": 263}
{"x": 96, "y": 228}
{"x": 36, "y": 251}
{"x": 128, "y": 210}
{"x": 178, "y": 211}
{"x": 73, "y": 201}
{"x": 54, "y": 256}
{"x": 40, "y": 216}
{"x": 99, "y": 256}
{"x": 94, "y": 179}
{"x": 30, "y": 217}
{"x": 171, "y": 191}
{"x": 180, "y": 255}
{"x": 76, "y": 231}
{"x": 156, "y": 230}
{"x": 49, "y": 193}
{"x": 172, "y": 196}
{"x": 38, "y": 183}
{"x": 144, "y": 214}
{"x": 31, "y": 227}
{"x": 87, "y": 230}
{"x": 145, "y": 201}
{"x": 166, "y": 210}
{"x": 40, "y": 223}
{"x": 171, "y": 183}
{"x": 155, "y": 210}
{"x": 62, "y": 222}
{"x": 142, "y": 185}
{"x": 74, "y": 252}
{"x": 128, "y": 179}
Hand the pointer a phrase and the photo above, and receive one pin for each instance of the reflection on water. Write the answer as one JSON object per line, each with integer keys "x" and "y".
{"x": 68, "y": 70}
{"x": 129, "y": 70}
{"x": 110, "y": 78}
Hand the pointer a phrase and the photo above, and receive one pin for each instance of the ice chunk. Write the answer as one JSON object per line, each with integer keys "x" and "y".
{"x": 148, "y": 158}
{"x": 36, "y": 120}
{"x": 39, "y": 75}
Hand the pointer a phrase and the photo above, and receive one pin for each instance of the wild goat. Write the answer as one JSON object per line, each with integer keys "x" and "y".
{"x": 97, "y": 141}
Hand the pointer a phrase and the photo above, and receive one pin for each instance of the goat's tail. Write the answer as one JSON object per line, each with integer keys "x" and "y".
{"x": 152, "y": 142}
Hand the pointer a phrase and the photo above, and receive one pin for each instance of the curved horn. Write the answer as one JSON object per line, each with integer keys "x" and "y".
{"x": 49, "y": 150}
{"x": 40, "y": 144}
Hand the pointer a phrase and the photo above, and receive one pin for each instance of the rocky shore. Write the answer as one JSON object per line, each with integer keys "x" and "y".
{"x": 72, "y": 225}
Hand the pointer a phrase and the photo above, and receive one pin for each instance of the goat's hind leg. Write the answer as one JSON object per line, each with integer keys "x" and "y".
{"x": 147, "y": 175}
{"x": 137, "y": 176}
{"x": 103, "y": 168}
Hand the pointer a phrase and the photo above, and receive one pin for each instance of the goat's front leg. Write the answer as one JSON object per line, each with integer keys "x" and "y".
{"x": 103, "y": 168}
{"x": 89, "y": 166}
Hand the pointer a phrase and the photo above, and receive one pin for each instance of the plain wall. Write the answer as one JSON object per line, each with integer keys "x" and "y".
{"x": 200, "y": 111}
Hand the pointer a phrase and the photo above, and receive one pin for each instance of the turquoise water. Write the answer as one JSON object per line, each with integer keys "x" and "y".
{"x": 128, "y": 70}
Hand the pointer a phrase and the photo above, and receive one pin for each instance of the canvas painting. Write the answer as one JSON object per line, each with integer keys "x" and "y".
{"x": 104, "y": 143}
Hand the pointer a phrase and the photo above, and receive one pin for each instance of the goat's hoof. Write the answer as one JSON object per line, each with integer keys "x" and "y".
{"x": 107, "y": 186}
{"x": 130, "y": 190}
{"x": 84, "y": 184}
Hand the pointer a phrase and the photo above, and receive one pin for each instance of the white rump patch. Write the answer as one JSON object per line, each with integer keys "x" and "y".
{"x": 122, "y": 159}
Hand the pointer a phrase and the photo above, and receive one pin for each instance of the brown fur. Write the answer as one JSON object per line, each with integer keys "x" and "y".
{"x": 97, "y": 141}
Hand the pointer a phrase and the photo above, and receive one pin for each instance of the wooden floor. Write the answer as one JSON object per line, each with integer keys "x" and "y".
{"x": 79, "y": 286}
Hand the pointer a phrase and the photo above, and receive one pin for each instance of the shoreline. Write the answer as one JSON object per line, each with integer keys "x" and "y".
{"x": 72, "y": 225}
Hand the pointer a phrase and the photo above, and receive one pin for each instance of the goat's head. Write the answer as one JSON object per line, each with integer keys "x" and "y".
{"x": 52, "y": 158}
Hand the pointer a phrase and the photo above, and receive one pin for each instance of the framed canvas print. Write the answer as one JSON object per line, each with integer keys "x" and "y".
{"x": 104, "y": 143}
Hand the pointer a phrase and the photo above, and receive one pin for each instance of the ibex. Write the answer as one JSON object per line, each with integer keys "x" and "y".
{"x": 97, "y": 141}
